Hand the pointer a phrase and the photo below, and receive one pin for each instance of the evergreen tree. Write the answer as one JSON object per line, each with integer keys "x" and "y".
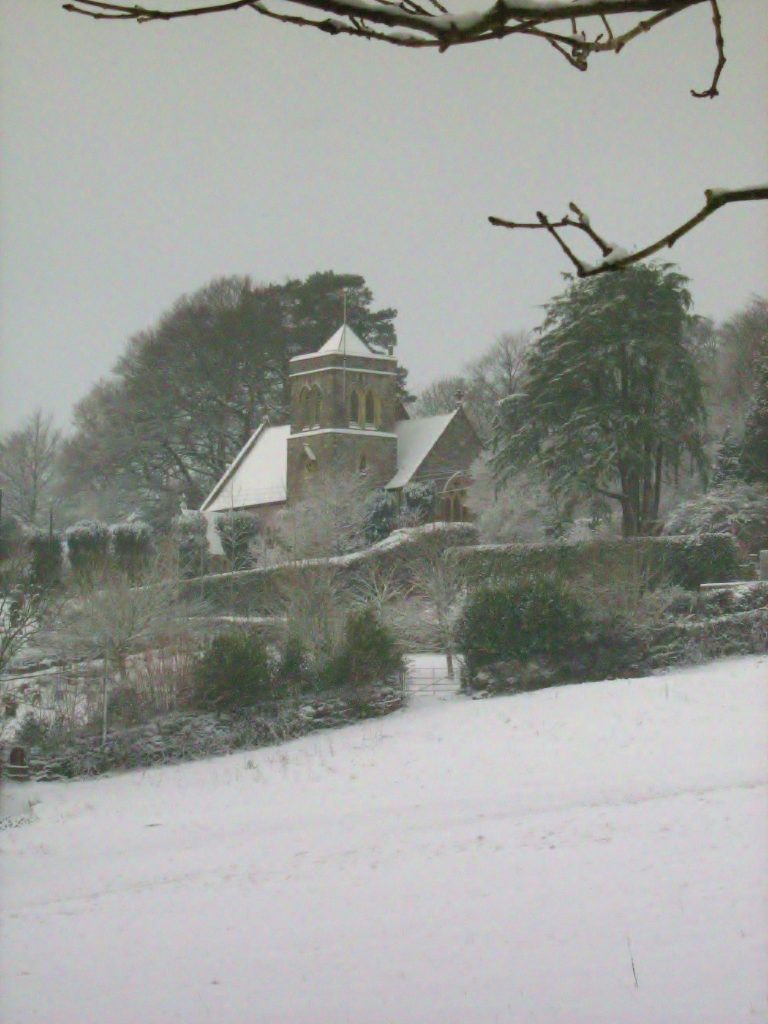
{"x": 611, "y": 397}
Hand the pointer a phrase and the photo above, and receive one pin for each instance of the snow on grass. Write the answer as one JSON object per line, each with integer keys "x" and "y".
{"x": 468, "y": 861}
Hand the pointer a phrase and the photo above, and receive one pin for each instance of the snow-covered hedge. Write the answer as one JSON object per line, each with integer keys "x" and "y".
{"x": 88, "y": 545}
{"x": 254, "y": 591}
{"x": 676, "y": 561}
{"x": 187, "y": 736}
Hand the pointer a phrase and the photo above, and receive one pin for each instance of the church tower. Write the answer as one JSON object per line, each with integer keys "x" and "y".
{"x": 343, "y": 407}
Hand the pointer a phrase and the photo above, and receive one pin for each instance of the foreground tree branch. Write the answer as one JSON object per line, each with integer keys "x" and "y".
{"x": 614, "y": 257}
{"x": 575, "y": 29}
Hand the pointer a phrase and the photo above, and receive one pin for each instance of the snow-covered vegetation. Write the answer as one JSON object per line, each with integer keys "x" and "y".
{"x": 579, "y": 855}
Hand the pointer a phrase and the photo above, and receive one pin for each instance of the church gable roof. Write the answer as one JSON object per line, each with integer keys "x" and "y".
{"x": 415, "y": 440}
{"x": 257, "y": 475}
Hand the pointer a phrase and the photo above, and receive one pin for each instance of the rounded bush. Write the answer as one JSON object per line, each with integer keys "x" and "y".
{"x": 523, "y": 618}
{"x": 233, "y": 673}
{"x": 369, "y": 653}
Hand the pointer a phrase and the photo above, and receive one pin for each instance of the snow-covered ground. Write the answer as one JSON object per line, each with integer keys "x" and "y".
{"x": 593, "y": 854}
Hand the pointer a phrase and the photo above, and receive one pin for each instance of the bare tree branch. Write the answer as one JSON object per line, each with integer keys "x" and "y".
{"x": 410, "y": 23}
{"x": 613, "y": 256}
{"x": 717, "y": 21}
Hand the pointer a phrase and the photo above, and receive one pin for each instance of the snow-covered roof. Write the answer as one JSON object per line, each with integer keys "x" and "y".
{"x": 257, "y": 476}
{"x": 415, "y": 440}
{"x": 343, "y": 342}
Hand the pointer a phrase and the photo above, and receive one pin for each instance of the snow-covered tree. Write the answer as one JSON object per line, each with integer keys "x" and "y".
{"x": 611, "y": 398}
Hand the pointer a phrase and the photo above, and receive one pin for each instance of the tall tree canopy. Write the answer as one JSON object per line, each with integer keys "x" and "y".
{"x": 189, "y": 392}
{"x": 611, "y": 397}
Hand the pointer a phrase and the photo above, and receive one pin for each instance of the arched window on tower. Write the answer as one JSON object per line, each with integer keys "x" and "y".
{"x": 354, "y": 409}
{"x": 370, "y": 410}
{"x": 305, "y": 411}
{"x": 314, "y": 407}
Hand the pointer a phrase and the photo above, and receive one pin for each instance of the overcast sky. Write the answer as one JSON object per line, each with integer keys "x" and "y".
{"x": 139, "y": 162}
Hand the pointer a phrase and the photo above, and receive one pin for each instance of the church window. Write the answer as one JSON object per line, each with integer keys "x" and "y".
{"x": 370, "y": 410}
{"x": 354, "y": 409}
{"x": 314, "y": 408}
{"x": 305, "y": 409}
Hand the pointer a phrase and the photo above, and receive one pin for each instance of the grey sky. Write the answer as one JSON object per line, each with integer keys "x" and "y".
{"x": 139, "y": 162}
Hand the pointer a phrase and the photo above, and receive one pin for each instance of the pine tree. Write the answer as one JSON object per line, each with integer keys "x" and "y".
{"x": 611, "y": 397}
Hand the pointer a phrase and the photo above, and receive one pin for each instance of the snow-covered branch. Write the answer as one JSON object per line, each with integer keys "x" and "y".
{"x": 575, "y": 28}
{"x": 615, "y": 257}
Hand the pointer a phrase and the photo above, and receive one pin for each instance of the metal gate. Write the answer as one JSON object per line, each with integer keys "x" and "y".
{"x": 432, "y": 680}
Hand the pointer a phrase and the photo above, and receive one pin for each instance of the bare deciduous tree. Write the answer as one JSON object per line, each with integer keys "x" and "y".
{"x": 330, "y": 520}
{"x": 111, "y": 617}
{"x": 436, "y": 580}
{"x": 27, "y": 467}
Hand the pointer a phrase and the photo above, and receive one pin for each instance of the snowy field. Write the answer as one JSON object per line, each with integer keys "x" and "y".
{"x": 594, "y": 854}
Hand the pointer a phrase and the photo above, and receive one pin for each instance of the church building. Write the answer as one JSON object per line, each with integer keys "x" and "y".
{"x": 346, "y": 417}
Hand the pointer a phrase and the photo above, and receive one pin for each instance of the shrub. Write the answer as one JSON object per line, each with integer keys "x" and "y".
{"x": 131, "y": 546}
{"x": 11, "y": 536}
{"x": 381, "y": 516}
{"x": 46, "y": 551}
{"x": 737, "y": 509}
{"x": 523, "y": 618}
{"x": 88, "y": 546}
{"x": 418, "y": 504}
{"x": 237, "y": 530}
{"x": 190, "y": 532}
{"x": 294, "y": 671}
{"x": 369, "y": 653}
{"x": 233, "y": 673}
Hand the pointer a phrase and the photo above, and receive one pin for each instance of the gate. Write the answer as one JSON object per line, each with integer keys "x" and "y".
{"x": 431, "y": 679}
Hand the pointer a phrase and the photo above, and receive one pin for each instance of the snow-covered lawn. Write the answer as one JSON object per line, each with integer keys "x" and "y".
{"x": 593, "y": 854}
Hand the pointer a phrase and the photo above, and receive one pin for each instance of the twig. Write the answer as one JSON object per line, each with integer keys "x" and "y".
{"x": 714, "y": 200}
{"x": 711, "y": 92}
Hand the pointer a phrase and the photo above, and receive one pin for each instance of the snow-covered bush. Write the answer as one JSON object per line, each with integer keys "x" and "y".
{"x": 381, "y": 516}
{"x": 237, "y": 531}
{"x": 369, "y": 654}
{"x": 417, "y": 506}
{"x": 190, "y": 531}
{"x": 131, "y": 546}
{"x": 234, "y": 672}
{"x": 738, "y": 509}
{"x": 523, "y": 618}
{"x": 46, "y": 558}
{"x": 88, "y": 546}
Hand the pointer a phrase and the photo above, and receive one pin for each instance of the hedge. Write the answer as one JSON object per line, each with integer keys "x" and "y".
{"x": 255, "y": 591}
{"x": 681, "y": 561}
